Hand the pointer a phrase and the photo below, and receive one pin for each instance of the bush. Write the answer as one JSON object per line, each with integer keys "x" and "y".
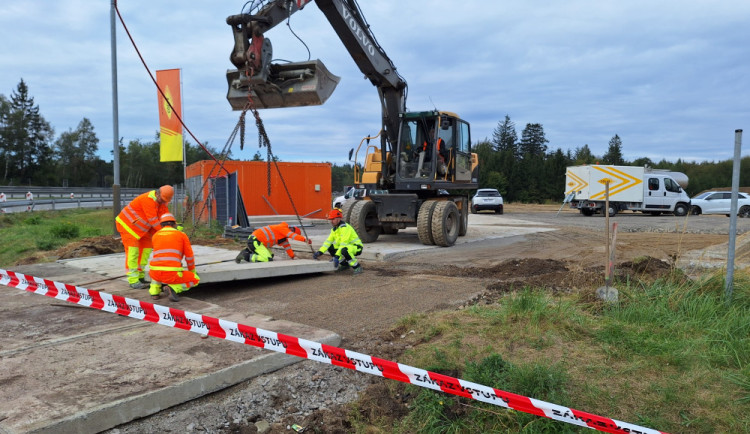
{"x": 65, "y": 230}
{"x": 46, "y": 244}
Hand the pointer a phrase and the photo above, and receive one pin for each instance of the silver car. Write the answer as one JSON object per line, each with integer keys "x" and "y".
{"x": 720, "y": 202}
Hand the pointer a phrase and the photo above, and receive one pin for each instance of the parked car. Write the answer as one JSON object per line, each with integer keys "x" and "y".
{"x": 720, "y": 202}
{"x": 487, "y": 199}
{"x": 352, "y": 192}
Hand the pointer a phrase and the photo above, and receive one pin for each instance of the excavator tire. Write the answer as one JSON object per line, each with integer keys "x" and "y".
{"x": 445, "y": 223}
{"x": 346, "y": 210}
{"x": 424, "y": 222}
{"x": 364, "y": 220}
{"x": 464, "y": 226}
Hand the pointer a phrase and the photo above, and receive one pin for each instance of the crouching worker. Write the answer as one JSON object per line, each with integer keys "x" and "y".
{"x": 262, "y": 239}
{"x": 165, "y": 267}
{"x": 343, "y": 244}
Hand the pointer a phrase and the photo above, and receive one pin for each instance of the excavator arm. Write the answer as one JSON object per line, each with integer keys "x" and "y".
{"x": 309, "y": 83}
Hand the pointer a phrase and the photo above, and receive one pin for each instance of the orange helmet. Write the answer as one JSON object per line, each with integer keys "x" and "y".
{"x": 166, "y": 192}
{"x": 167, "y": 217}
{"x": 335, "y": 214}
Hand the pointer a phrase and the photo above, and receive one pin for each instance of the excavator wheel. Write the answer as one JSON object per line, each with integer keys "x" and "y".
{"x": 346, "y": 210}
{"x": 464, "y": 226}
{"x": 424, "y": 222}
{"x": 364, "y": 220}
{"x": 445, "y": 223}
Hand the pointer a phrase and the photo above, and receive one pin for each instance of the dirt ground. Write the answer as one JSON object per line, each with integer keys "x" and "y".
{"x": 364, "y": 309}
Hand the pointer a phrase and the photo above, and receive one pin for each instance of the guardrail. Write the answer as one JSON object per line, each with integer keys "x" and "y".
{"x": 20, "y": 192}
{"x": 31, "y": 204}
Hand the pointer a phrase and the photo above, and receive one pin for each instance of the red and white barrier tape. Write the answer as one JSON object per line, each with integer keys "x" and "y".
{"x": 281, "y": 343}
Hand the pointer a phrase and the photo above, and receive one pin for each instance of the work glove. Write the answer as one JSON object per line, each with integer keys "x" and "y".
{"x": 316, "y": 255}
{"x": 335, "y": 262}
{"x": 309, "y": 241}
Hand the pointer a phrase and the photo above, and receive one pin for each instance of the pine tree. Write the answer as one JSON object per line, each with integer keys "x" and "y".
{"x": 25, "y": 139}
{"x": 614, "y": 152}
{"x": 504, "y": 137}
{"x": 533, "y": 142}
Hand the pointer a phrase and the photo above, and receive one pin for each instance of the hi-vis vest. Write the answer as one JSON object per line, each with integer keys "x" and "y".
{"x": 170, "y": 245}
{"x": 277, "y": 234}
{"x": 141, "y": 215}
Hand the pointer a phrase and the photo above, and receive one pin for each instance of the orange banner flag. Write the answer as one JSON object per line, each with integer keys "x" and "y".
{"x": 170, "y": 131}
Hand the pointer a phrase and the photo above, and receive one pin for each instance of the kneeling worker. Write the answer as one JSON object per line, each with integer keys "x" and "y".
{"x": 262, "y": 239}
{"x": 165, "y": 267}
{"x": 343, "y": 244}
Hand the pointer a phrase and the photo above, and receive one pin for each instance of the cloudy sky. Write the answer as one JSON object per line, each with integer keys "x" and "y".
{"x": 671, "y": 78}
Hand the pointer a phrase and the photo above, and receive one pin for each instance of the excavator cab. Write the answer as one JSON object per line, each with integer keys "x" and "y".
{"x": 434, "y": 148}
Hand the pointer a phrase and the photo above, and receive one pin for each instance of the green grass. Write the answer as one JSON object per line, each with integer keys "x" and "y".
{"x": 34, "y": 235}
{"x": 670, "y": 356}
{"x": 25, "y": 234}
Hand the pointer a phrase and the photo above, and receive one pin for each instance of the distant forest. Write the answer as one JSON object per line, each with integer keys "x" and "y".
{"x": 523, "y": 170}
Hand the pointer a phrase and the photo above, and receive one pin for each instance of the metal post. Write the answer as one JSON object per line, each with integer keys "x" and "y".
{"x": 607, "y": 277}
{"x": 729, "y": 282}
{"x": 116, "y": 207}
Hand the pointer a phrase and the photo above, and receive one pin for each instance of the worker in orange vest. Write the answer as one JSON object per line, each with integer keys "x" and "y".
{"x": 264, "y": 238}
{"x": 136, "y": 223}
{"x": 165, "y": 268}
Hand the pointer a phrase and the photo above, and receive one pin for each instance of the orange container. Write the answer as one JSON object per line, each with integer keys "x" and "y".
{"x": 308, "y": 185}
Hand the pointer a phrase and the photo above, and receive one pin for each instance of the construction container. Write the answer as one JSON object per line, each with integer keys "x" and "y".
{"x": 295, "y": 188}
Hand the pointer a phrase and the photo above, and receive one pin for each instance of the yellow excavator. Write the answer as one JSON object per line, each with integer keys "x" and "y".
{"x": 415, "y": 176}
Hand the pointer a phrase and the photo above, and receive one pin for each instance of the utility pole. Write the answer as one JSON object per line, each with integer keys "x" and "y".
{"x": 116, "y": 207}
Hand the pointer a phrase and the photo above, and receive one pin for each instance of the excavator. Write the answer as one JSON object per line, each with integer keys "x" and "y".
{"x": 418, "y": 172}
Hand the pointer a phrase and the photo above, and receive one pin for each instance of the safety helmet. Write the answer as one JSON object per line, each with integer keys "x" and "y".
{"x": 335, "y": 214}
{"x": 166, "y": 192}
{"x": 167, "y": 217}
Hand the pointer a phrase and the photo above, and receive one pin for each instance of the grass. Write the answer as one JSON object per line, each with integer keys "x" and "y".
{"x": 24, "y": 235}
{"x": 670, "y": 356}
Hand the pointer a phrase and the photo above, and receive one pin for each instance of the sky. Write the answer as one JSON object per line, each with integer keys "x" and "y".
{"x": 670, "y": 78}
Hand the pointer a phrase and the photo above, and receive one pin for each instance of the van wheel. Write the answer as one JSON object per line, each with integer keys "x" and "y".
{"x": 680, "y": 210}
{"x": 744, "y": 212}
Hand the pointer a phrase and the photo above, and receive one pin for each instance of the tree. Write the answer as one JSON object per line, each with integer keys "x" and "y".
{"x": 25, "y": 138}
{"x": 533, "y": 142}
{"x": 76, "y": 151}
{"x": 504, "y": 137}
{"x": 583, "y": 155}
{"x": 614, "y": 152}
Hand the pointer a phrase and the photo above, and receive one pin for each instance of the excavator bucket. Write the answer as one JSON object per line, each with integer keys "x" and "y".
{"x": 284, "y": 85}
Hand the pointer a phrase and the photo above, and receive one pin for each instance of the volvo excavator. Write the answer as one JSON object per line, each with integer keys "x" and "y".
{"x": 415, "y": 174}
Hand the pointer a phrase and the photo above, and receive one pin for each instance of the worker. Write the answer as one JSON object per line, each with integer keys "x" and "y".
{"x": 165, "y": 268}
{"x": 426, "y": 150}
{"x": 137, "y": 223}
{"x": 343, "y": 244}
{"x": 262, "y": 239}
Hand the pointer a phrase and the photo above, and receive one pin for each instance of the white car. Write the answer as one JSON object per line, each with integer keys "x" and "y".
{"x": 487, "y": 198}
{"x": 352, "y": 192}
{"x": 720, "y": 202}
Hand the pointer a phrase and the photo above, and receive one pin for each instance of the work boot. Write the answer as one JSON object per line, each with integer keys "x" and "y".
{"x": 358, "y": 269}
{"x": 144, "y": 281}
{"x": 343, "y": 266}
{"x": 155, "y": 297}
{"x": 138, "y": 285}
{"x": 239, "y": 257}
{"x": 172, "y": 294}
